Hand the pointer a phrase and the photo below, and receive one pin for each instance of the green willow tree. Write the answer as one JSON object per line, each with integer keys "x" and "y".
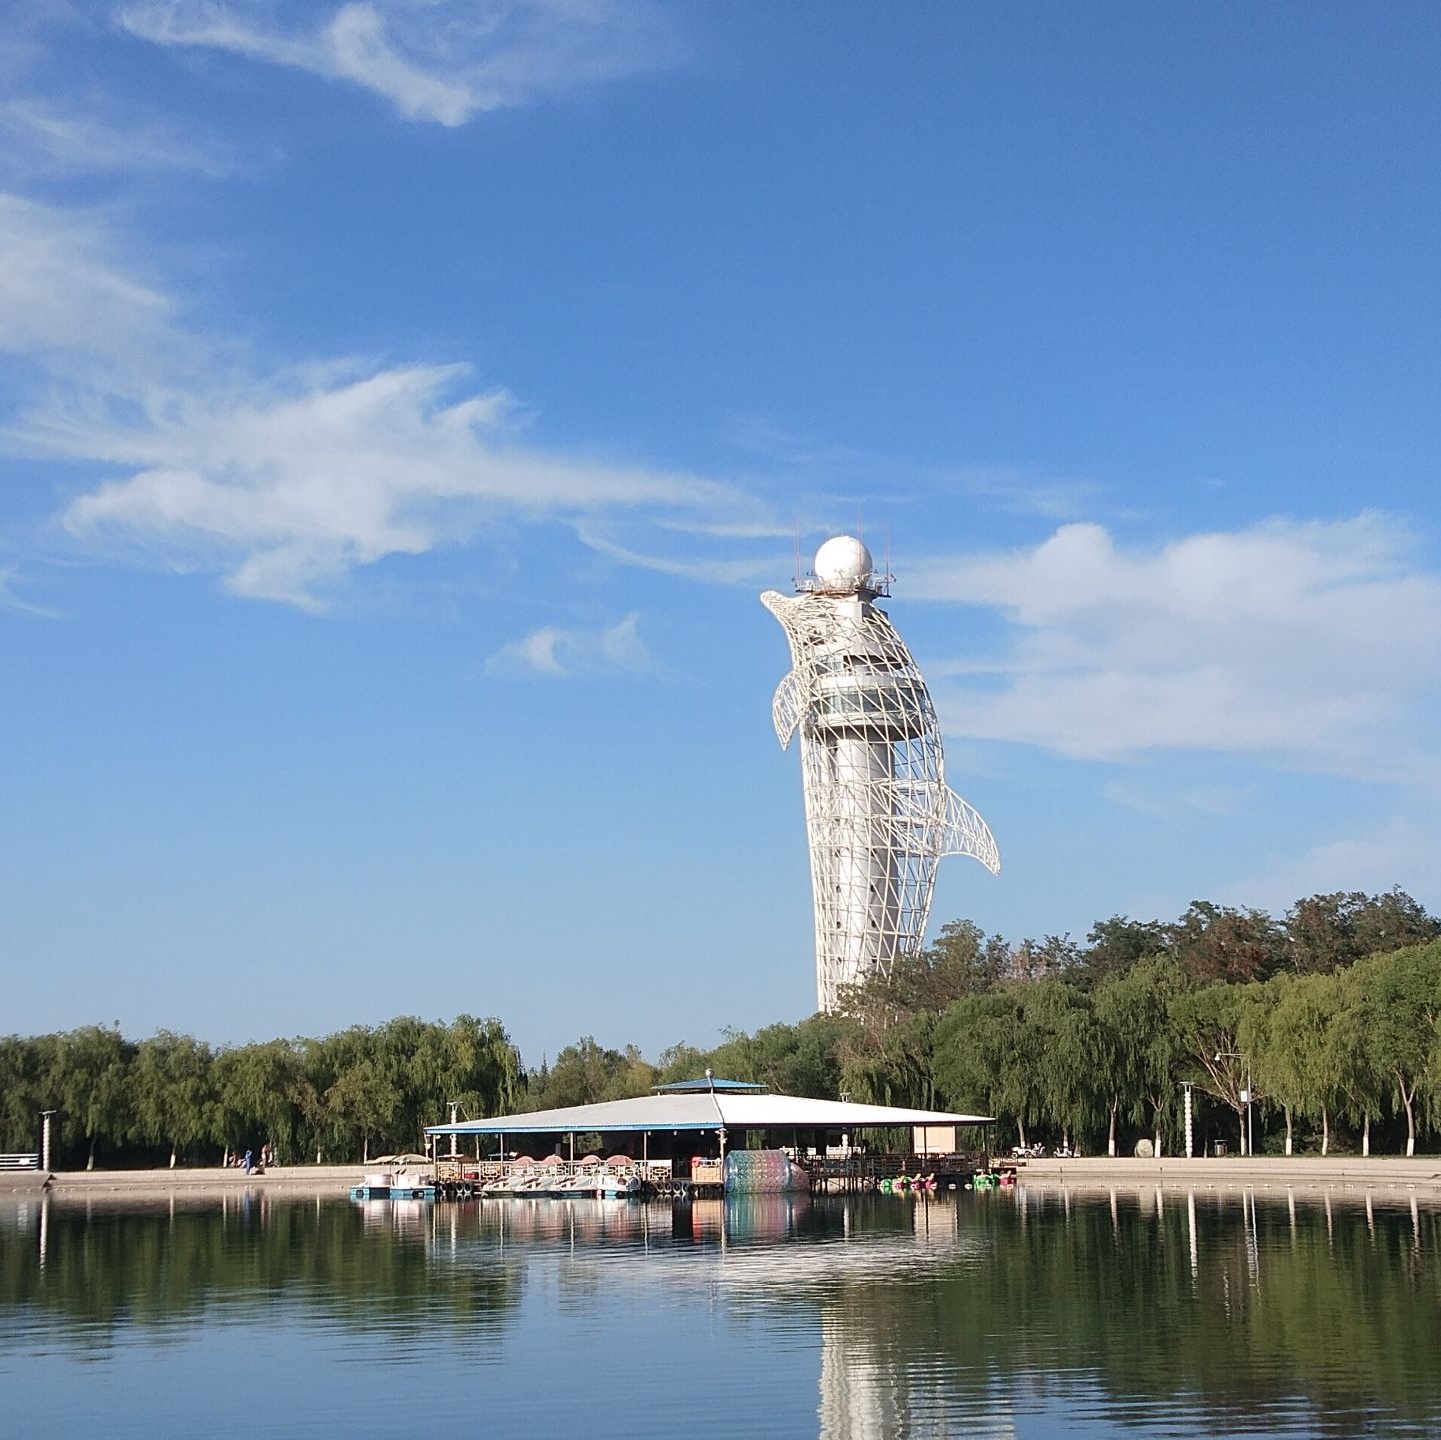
{"x": 1064, "y": 1036}
{"x": 1208, "y": 1023}
{"x": 1135, "y": 1049}
{"x": 364, "y": 1099}
{"x": 1295, "y": 1058}
{"x": 477, "y": 1066}
{"x": 1400, "y": 997}
{"x": 172, "y": 1092}
{"x": 89, "y": 1077}
{"x": 987, "y": 1058}
{"x": 259, "y": 1097}
{"x": 1350, "y": 1054}
{"x": 24, "y": 1092}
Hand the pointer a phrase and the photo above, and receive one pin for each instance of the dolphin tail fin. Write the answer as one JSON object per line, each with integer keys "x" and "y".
{"x": 965, "y": 833}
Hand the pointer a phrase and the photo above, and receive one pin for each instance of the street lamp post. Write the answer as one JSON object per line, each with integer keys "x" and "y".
{"x": 454, "y": 1106}
{"x": 1186, "y": 1086}
{"x": 45, "y": 1140}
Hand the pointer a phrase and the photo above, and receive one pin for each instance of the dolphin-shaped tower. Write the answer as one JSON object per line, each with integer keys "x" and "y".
{"x": 878, "y": 813}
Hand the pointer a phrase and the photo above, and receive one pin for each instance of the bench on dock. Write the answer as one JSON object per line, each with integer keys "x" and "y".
{"x": 19, "y": 1162}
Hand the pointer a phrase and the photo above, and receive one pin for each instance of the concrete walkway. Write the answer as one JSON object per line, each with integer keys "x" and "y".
{"x": 292, "y": 1179}
{"x": 1300, "y": 1171}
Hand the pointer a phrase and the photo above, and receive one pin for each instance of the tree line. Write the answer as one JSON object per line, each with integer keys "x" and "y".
{"x": 1328, "y": 1018}
{"x": 173, "y": 1098}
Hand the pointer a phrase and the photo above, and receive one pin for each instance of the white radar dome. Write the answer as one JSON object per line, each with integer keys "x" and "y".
{"x": 843, "y": 563}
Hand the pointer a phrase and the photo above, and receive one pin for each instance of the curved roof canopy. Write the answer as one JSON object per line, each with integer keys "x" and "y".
{"x": 706, "y": 1110}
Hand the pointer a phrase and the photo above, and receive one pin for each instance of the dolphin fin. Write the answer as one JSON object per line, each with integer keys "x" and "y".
{"x": 965, "y": 833}
{"x": 786, "y": 709}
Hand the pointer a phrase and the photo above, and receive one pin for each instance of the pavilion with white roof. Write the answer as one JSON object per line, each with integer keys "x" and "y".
{"x": 700, "y": 1116}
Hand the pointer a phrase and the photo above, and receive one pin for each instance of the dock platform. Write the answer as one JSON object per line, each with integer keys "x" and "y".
{"x": 460, "y": 1177}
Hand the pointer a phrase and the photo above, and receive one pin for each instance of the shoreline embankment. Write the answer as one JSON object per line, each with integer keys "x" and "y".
{"x": 1301, "y": 1172}
{"x": 291, "y": 1179}
{"x": 1263, "y": 1172}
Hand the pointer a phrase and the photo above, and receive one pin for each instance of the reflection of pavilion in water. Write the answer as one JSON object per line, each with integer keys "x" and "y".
{"x": 872, "y": 1383}
{"x": 895, "y": 1310}
{"x": 862, "y": 1277}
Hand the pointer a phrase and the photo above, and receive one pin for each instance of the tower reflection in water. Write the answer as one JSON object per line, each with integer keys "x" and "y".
{"x": 1150, "y": 1309}
{"x": 830, "y": 1267}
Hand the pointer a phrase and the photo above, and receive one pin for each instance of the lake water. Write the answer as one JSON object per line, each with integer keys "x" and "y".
{"x": 1024, "y": 1313}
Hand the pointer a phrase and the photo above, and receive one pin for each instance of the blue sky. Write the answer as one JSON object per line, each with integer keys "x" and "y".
{"x": 402, "y": 404}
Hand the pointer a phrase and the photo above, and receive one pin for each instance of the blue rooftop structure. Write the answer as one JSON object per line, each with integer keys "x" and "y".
{"x": 709, "y": 1083}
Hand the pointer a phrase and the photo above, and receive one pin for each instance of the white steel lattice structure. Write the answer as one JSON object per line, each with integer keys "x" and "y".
{"x": 878, "y": 813}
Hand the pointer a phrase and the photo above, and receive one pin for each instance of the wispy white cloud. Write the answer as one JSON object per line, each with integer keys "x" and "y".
{"x": 555, "y": 652}
{"x": 1165, "y": 801}
{"x": 282, "y": 484}
{"x": 1021, "y": 491}
{"x": 432, "y": 60}
{"x": 64, "y": 291}
{"x": 38, "y": 137}
{"x": 706, "y": 569}
{"x": 11, "y": 599}
{"x": 1316, "y": 645}
{"x": 849, "y": 476}
{"x": 285, "y": 488}
{"x": 763, "y": 435}
{"x": 762, "y": 526}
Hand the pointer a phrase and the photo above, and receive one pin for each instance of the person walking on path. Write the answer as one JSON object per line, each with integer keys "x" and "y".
{"x": 249, "y": 1161}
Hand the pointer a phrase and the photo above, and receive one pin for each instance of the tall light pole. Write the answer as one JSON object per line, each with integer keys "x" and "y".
{"x": 1186, "y": 1086}
{"x": 454, "y": 1106}
{"x": 45, "y": 1140}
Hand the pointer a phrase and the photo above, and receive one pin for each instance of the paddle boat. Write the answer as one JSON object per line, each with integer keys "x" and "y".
{"x": 397, "y": 1177}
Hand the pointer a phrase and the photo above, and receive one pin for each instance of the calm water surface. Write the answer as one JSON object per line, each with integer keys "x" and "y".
{"x": 1028, "y": 1313}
